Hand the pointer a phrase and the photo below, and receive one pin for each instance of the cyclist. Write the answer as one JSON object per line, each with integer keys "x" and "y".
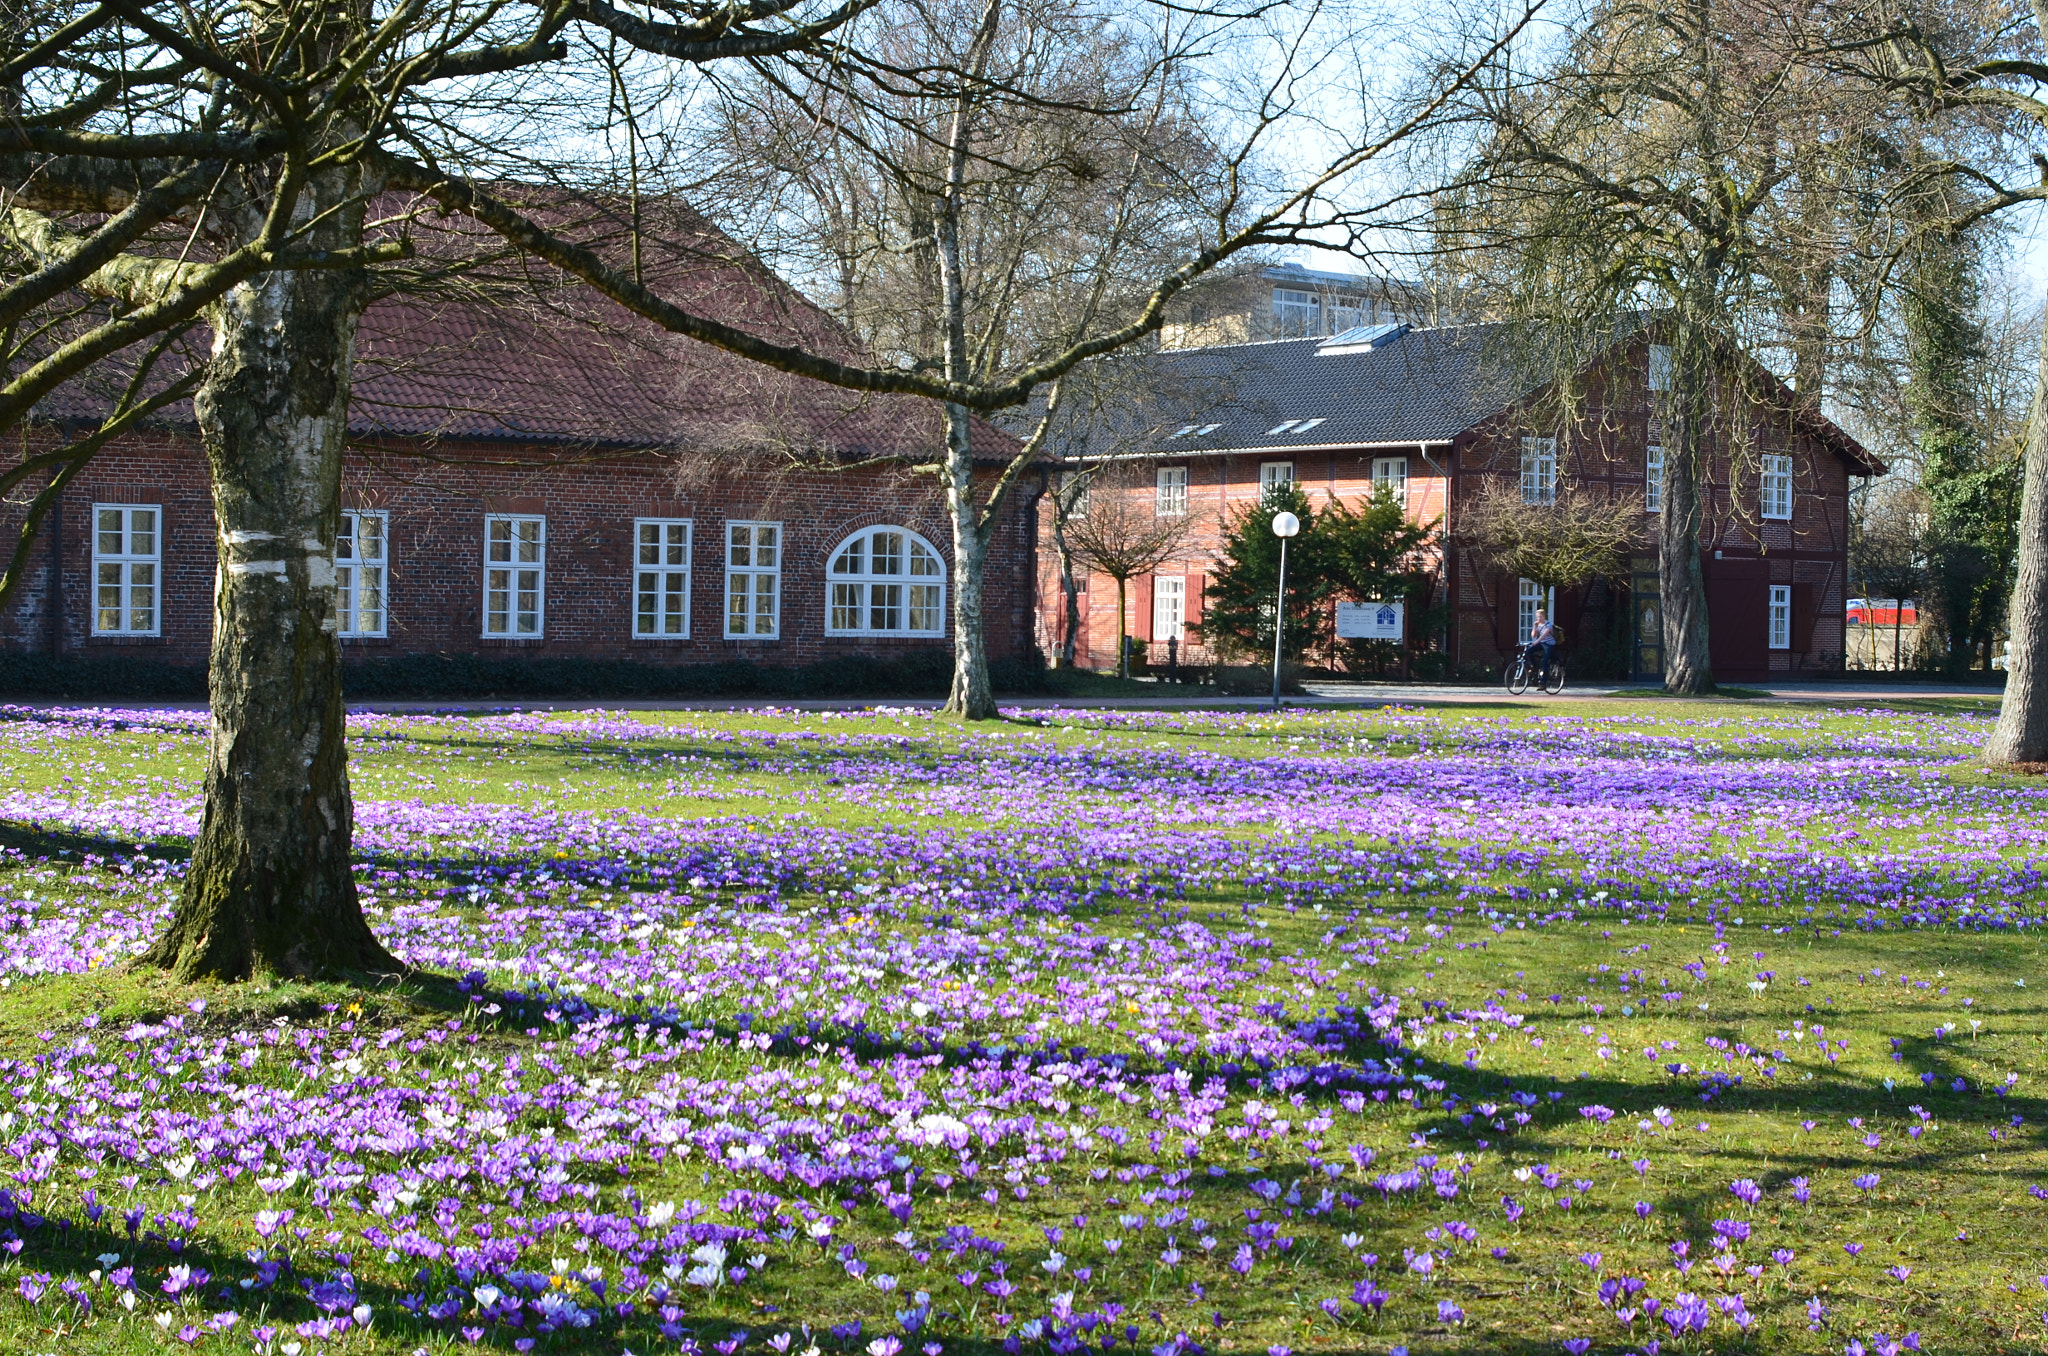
{"x": 1542, "y": 646}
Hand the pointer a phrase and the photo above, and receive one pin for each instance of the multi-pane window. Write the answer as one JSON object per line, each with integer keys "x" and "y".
{"x": 127, "y": 563}
{"x": 1533, "y": 598}
{"x": 886, "y": 581}
{"x": 1539, "y": 470}
{"x": 1781, "y": 617}
{"x": 361, "y": 553}
{"x": 1653, "y": 479}
{"x": 661, "y": 578}
{"x": 1169, "y": 607}
{"x": 1660, "y": 367}
{"x": 753, "y": 580}
{"x": 1777, "y": 486}
{"x": 1296, "y": 311}
{"x": 1172, "y": 491}
{"x": 1273, "y": 473}
{"x": 1391, "y": 474}
{"x": 515, "y": 575}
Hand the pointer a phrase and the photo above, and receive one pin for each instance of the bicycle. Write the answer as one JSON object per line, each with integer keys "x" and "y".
{"x": 1521, "y": 672}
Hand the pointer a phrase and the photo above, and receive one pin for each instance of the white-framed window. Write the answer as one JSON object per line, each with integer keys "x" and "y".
{"x": 1273, "y": 473}
{"x": 1172, "y": 491}
{"x": 1660, "y": 367}
{"x": 885, "y": 581}
{"x": 1653, "y": 479}
{"x": 361, "y": 561}
{"x": 1391, "y": 473}
{"x": 1539, "y": 470}
{"x": 127, "y": 569}
{"x": 1297, "y": 311}
{"x": 1169, "y": 607}
{"x": 515, "y": 575}
{"x": 753, "y": 581}
{"x": 1777, "y": 486}
{"x": 661, "y": 578}
{"x": 1781, "y": 616}
{"x": 1532, "y": 598}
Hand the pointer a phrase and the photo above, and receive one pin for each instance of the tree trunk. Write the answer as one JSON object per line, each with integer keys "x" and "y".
{"x": 1682, "y": 587}
{"x": 270, "y": 890}
{"x": 2021, "y": 735}
{"x": 1123, "y": 639}
{"x": 971, "y": 695}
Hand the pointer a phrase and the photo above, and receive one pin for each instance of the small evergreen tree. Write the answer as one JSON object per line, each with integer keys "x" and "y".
{"x": 1237, "y": 616}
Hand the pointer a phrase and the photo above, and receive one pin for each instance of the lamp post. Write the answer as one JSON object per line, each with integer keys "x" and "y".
{"x": 1285, "y": 525}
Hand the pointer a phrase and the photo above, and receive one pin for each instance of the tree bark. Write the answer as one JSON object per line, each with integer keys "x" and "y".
{"x": 2021, "y": 735}
{"x": 971, "y": 695}
{"x": 270, "y": 890}
{"x": 1681, "y": 584}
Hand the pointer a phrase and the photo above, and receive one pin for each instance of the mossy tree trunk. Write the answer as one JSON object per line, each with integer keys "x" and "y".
{"x": 270, "y": 891}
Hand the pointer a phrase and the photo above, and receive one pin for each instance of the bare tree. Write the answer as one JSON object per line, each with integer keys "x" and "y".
{"x": 215, "y": 166}
{"x": 1123, "y": 535}
{"x": 995, "y": 192}
{"x": 1670, "y": 172}
{"x": 1578, "y": 537}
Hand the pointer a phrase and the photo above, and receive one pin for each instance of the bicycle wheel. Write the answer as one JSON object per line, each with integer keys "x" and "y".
{"x": 1518, "y": 675}
{"x": 1553, "y": 682}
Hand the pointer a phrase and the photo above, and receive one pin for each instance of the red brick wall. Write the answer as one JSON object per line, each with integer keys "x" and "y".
{"x": 1219, "y": 489}
{"x": 1606, "y": 447}
{"x": 437, "y": 506}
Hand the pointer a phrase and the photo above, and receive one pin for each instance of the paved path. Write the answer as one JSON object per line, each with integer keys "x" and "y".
{"x": 1333, "y": 694}
{"x": 1318, "y": 695}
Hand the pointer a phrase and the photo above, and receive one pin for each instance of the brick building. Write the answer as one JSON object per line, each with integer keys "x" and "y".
{"x": 1430, "y": 414}
{"x": 535, "y": 477}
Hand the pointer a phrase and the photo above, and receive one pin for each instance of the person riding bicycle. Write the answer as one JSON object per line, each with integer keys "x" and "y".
{"x": 1542, "y": 645}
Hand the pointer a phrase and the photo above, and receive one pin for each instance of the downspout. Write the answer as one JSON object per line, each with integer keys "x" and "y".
{"x": 1443, "y": 560}
{"x": 57, "y": 577}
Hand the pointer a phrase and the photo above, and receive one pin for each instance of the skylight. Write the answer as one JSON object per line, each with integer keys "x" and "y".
{"x": 1287, "y": 427}
{"x": 1306, "y": 424}
{"x": 1293, "y": 426}
{"x": 1361, "y": 339}
{"x": 1207, "y": 429}
{"x": 1180, "y": 433}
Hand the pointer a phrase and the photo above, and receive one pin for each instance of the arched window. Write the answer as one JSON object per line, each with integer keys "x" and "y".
{"x": 885, "y": 581}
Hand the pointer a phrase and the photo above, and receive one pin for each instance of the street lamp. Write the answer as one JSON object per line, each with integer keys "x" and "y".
{"x": 1285, "y": 525}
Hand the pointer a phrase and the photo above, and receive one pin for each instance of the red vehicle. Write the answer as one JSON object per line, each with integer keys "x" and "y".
{"x": 1883, "y": 612}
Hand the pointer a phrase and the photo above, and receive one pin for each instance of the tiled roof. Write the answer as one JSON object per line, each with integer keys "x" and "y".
{"x": 535, "y": 358}
{"x": 1428, "y": 385}
{"x": 1422, "y": 386}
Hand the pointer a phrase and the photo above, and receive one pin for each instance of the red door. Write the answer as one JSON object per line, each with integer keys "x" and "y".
{"x": 1738, "y": 620}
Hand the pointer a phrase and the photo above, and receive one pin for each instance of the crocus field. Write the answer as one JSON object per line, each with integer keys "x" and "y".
{"x": 1632, "y": 1026}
